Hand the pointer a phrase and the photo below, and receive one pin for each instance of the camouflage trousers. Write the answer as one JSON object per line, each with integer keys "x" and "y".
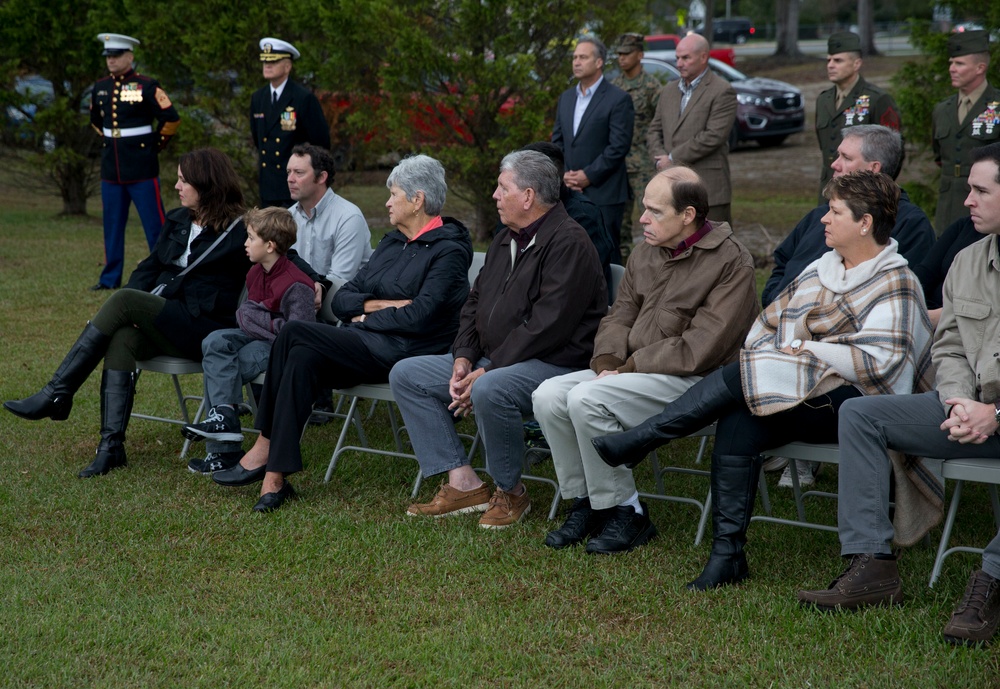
{"x": 632, "y": 232}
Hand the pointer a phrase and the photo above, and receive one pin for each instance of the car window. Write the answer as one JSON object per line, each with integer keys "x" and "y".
{"x": 661, "y": 70}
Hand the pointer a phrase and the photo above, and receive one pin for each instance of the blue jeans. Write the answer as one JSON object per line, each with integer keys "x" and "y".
{"x": 869, "y": 426}
{"x": 501, "y": 398}
{"x": 230, "y": 360}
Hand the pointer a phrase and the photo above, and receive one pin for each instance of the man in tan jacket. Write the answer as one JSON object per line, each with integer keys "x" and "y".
{"x": 692, "y": 124}
{"x": 685, "y": 304}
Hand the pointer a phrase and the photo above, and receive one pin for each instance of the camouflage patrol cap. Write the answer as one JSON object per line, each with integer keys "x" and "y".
{"x": 629, "y": 43}
{"x": 843, "y": 42}
{"x": 968, "y": 42}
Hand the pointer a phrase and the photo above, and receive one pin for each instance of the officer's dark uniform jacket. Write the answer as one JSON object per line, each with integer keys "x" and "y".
{"x": 136, "y": 119}
{"x": 864, "y": 104}
{"x": 953, "y": 144}
{"x": 297, "y": 119}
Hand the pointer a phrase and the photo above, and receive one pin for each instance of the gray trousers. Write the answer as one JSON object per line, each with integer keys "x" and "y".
{"x": 501, "y": 398}
{"x": 907, "y": 423}
{"x": 230, "y": 360}
{"x": 574, "y": 408}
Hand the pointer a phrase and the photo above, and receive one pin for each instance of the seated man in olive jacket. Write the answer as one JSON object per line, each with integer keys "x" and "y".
{"x": 532, "y": 314}
{"x": 684, "y": 306}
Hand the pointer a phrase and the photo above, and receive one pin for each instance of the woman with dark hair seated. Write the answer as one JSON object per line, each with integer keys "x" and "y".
{"x": 197, "y": 268}
{"x": 852, "y": 323}
{"x": 404, "y": 302}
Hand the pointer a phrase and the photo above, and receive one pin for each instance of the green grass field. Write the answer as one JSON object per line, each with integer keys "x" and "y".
{"x": 155, "y": 577}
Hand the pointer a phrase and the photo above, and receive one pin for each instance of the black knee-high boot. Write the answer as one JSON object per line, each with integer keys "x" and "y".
{"x": 117, "y": 393}
{"x": 56, "y": 399}
{"x": 734, "y": 489}
{"x": 699, "y": 406}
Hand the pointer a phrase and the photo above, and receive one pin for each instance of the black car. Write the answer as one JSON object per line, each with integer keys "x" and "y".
{"x": 732, "y": 30}
{"x": 767, "y": 110}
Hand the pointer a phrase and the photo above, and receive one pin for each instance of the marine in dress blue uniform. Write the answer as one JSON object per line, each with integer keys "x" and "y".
{"x": 136, "y": 119}
{"x": 282, "y": 115}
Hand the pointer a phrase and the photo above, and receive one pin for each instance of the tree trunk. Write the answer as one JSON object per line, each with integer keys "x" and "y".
{"x": 866, "y": 27}
{"x": 787, "y": 19}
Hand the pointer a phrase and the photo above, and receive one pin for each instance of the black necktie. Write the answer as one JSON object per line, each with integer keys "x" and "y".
{"x": 274, "y": 100}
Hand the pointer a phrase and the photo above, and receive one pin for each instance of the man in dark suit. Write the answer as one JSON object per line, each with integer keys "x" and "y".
{"x": 282, "y": 115}
{"x": 594, "y": 121}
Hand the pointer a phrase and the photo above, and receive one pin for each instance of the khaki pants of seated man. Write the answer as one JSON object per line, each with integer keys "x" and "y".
{"x": 573, "y": 408}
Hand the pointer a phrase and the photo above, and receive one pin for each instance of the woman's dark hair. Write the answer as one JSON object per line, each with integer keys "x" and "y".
{"x": 868, "y": 192}
{"x": 220, "y": 198}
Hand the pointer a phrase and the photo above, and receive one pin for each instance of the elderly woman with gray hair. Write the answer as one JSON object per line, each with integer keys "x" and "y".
{"x": 404, "y": 302}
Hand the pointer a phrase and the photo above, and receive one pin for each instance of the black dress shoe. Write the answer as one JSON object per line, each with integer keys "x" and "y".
{"x": 625, "y": 530}
{"x": 581, "y": 523}
{"x": 238, "y": 476}
{"x": 271, "y": 501}
{"x": 99, "y": 287}
{"x": 103, "y": 463}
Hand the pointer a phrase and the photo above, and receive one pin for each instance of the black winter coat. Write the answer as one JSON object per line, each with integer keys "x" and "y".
{"x": 206, "y": 298}
{"x": 432, "y": 270}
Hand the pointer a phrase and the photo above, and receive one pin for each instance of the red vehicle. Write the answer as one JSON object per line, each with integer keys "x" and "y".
{"x": 669, "y": 41}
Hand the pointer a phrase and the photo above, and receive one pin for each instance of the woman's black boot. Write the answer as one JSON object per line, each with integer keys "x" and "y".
{"x": 117, "y": 393}
{"x": 734, "y": 489}
{"x": 56, "y": 399}
{"x": 701, "y": 405}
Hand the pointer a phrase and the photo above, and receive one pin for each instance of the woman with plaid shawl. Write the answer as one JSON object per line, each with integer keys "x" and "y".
{"x": 853, "y": 323}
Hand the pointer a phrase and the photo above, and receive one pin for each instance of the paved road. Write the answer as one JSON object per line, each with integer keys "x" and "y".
{"x": 886, "y": 44}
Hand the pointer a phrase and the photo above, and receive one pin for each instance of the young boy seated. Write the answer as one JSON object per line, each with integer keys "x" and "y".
{"x": 277, "y": 292}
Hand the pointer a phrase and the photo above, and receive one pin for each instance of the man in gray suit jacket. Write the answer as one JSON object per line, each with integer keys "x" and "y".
{"x": 692, "y": 124}
{"x": 594, "y": 121}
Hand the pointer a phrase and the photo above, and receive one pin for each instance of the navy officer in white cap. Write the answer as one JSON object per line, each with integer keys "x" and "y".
{"x": 282, "y": 114}
{"x": 136, "y": 119}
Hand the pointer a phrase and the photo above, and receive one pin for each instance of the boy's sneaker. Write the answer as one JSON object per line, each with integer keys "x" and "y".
{"x": 806, "y": 470}
{"x": 215, "y": 461}
{"x": 221, "y": 425}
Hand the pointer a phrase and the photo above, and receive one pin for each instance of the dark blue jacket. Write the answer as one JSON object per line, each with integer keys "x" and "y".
{"x": 432, "y": 270}
{"x": 807, "y": 242}
{"x": 933, "y": 269}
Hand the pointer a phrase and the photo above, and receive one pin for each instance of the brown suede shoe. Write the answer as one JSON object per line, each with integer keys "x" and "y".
{"x": 450, "y": 501}
{"x": 975, "y": 620}
{"x": 505, "y": 510}
{"x": 866, "y": 582}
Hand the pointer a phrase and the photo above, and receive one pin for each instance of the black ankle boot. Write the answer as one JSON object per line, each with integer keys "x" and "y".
{"x": 699, "y": 406}
{"x": 734, "y": 489}
{"x": 117, "y": 393}
{"x": 56, "y": 398}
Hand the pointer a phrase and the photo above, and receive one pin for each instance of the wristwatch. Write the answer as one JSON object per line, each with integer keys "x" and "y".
{"x": 996, "y": 413}
{"x": 796, "y": 345}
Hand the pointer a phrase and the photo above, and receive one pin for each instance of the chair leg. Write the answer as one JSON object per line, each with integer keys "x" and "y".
{"x": 949, "y": 522}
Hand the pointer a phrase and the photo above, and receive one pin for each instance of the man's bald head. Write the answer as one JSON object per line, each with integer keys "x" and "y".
{"x": 692, "y": 56}
{"x": 686, "y": 188}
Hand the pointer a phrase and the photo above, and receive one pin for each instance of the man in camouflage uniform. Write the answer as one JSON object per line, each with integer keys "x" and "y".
{"x": 644, "y": 89}
{"x": 850, "y": 101}
{"x": 963, "y": 121}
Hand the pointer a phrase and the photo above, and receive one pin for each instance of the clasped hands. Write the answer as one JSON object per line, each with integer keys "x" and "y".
{"x": 460, "y": 386}
{"x": 970, "y": 421}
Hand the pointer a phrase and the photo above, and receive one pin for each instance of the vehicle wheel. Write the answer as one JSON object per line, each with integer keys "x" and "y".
{"x": 734, "y": 138}
{"x": 771, "y": 141}
{"x": 740, "y": 39}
